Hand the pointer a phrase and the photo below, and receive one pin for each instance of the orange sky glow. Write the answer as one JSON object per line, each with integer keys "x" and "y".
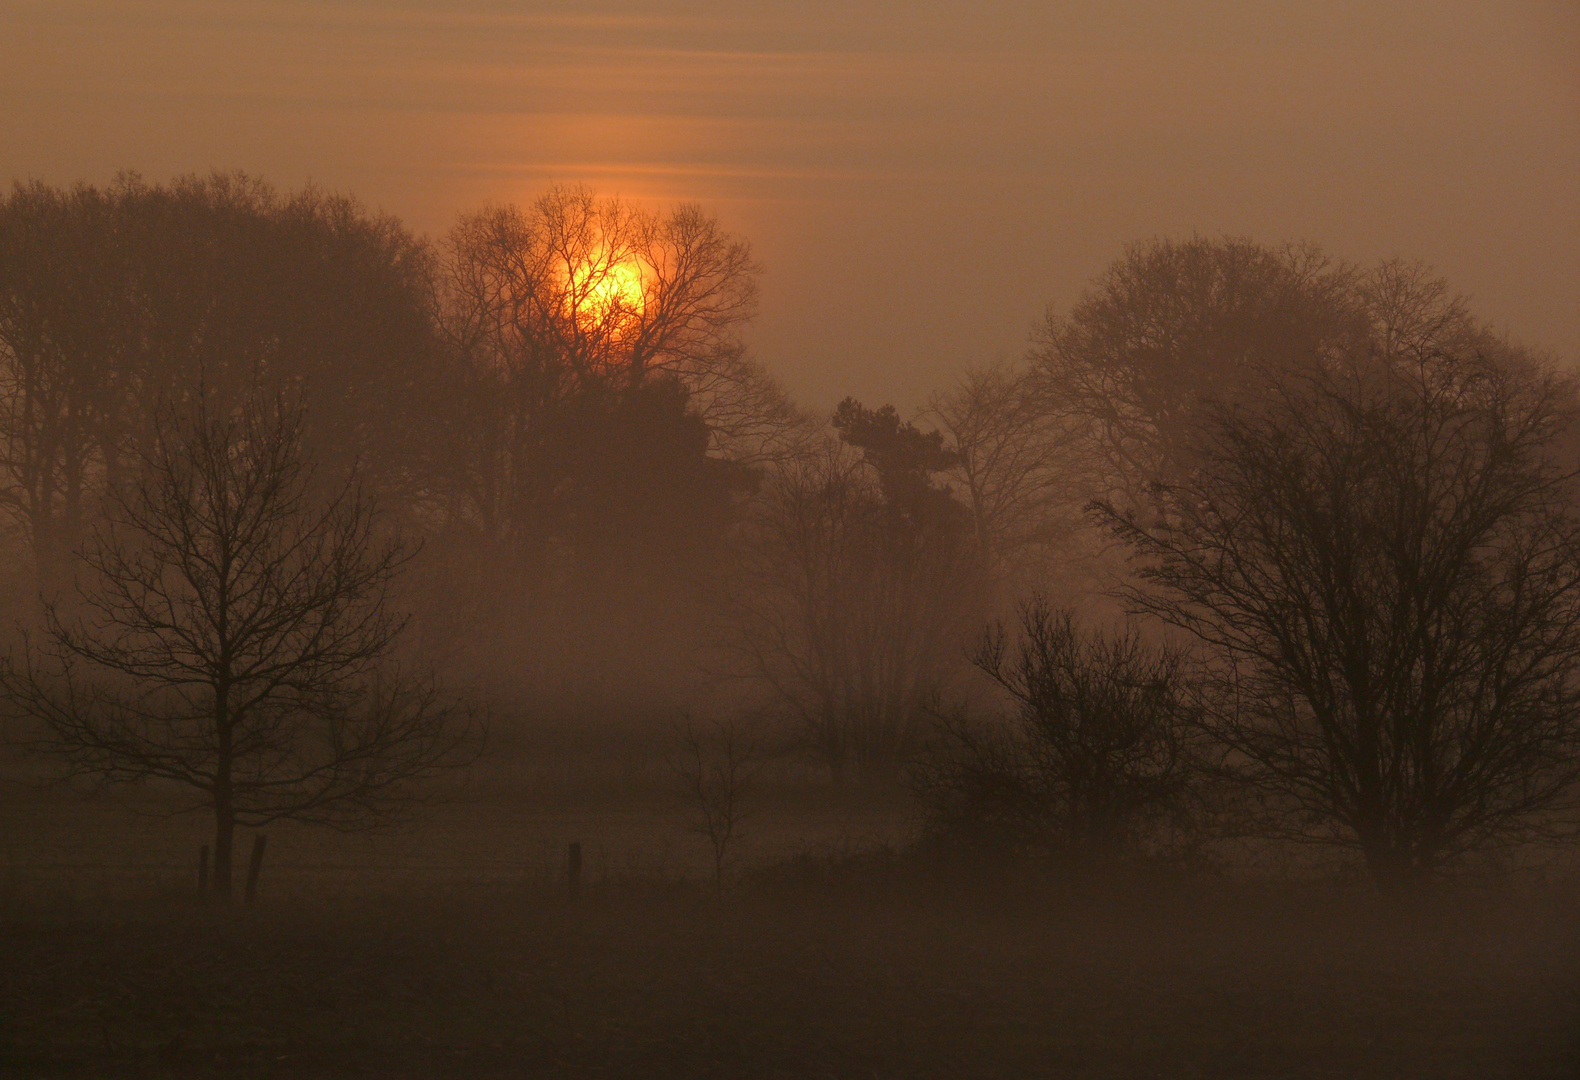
{"x": 919, "y": 179}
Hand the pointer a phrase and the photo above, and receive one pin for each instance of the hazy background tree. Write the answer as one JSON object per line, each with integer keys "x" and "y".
{"x": 235, "y": 638}
{"x": 1384, "y": 561}
{"x": 115, "y": 299}
{"x": 65, "y": 321}
{"x": 1011, "y": 466}
{"x": 860, "y": 586}
{"x": 1172, "y": 326}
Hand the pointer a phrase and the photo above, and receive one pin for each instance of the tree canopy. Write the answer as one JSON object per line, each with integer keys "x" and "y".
{"x": 234, "y": 637}
{"x": 1383, "y": 563}
{"x": 115, "y": 300}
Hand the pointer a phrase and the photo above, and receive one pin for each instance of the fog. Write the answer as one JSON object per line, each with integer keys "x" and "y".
{"x": 899, "y": 541}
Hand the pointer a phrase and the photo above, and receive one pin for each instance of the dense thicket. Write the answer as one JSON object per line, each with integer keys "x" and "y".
{"x": 117, "y": 300}
{"x": 1103, "y": 760}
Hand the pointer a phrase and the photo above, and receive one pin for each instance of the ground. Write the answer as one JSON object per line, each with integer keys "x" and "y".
{"x": 822, "y": 963}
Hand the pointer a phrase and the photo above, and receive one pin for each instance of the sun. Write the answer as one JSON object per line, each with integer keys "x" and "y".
{"x": 610, "y": 291}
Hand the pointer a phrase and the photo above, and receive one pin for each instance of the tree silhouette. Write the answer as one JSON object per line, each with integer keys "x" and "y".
{"x": 115, "y": 299}
{"x": 1169, "y": 328}
{"x": 1012, "y": 470}
{"x": 904, "y": 457}
{"x": 595, "y": 350}
{"x": 233, "y": 637}
{"x": 1384, "y": 561}
{"x": 1100, "y": 760}
{"x": 717, "y": 768}
{"x": 861, "y": 581}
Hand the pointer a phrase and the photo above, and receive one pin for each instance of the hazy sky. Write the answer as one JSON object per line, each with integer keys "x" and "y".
{"x": 920, "y": 179}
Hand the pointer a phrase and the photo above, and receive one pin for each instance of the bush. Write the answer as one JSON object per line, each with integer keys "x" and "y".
{"x": 1098, "y": 764}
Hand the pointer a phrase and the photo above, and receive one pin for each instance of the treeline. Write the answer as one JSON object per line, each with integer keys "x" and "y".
{"x": 1318, "y": 521}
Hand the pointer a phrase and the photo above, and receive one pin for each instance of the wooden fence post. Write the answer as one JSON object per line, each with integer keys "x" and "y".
{"x": 573, "y": 868}
{"x": 203, "y": 870}
{"x": 255, "y": 866}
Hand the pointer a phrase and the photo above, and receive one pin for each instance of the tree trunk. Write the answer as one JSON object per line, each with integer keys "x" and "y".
{"x": 224, "y": 807}
{"x": 1403, "y": 878}
{"x": 224, "y": 835}
{"x": 255, "y": 866}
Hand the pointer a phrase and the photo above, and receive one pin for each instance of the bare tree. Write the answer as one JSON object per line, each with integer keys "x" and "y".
{"x": 1100, "y": 761}
{"x": 576, "y": 292}
{"x": 1384, "y": 560}
{"x": 717, "y": 767}
{"x": 604, "y": 395}
{"x": 851, "y": 610}
{"x": 1171, "y": 327}
{"x": 233, "y": 636}
{"x": 1012, "y": 458}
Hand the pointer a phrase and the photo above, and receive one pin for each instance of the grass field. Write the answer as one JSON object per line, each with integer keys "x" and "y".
{"x": 452, "y": 951}
{"x": 59, "y": 848}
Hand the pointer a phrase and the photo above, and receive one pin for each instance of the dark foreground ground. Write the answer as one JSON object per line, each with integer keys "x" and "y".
{"x": 866, "y": 974}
